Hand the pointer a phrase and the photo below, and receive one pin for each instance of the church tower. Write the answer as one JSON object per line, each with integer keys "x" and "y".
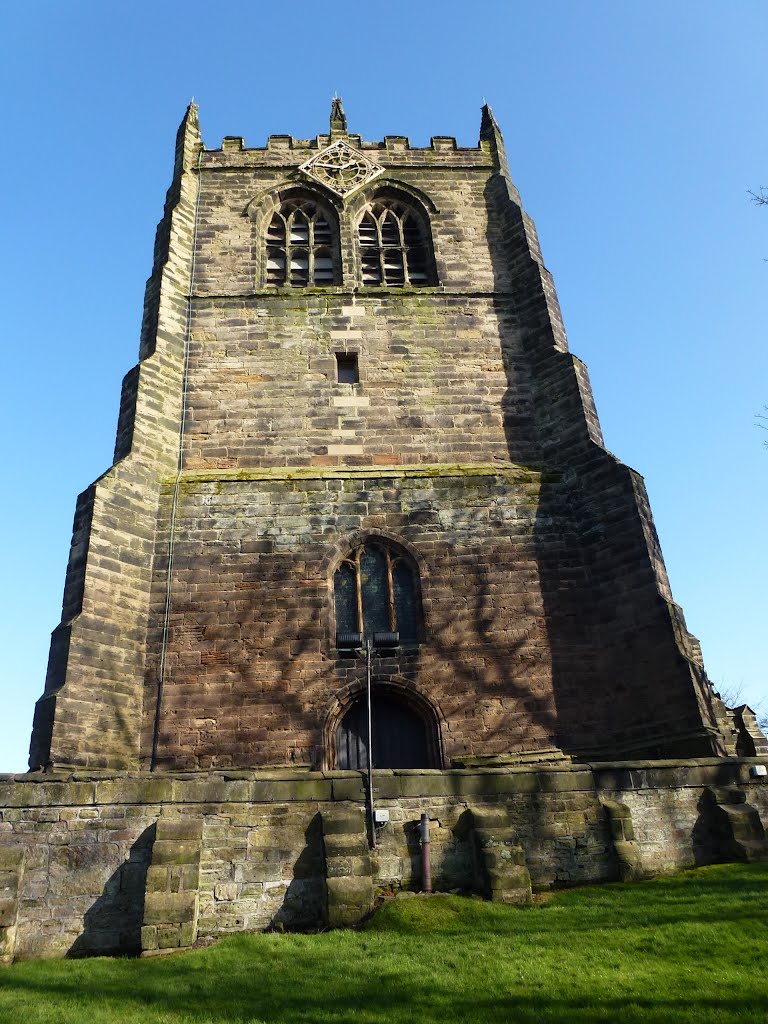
{"x": 355, "y": 412}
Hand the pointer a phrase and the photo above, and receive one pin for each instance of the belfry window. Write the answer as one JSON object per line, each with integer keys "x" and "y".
{"x": 394, "y": 247}
{"x": 375, "y": 592}
{"x": 302, "y": 246}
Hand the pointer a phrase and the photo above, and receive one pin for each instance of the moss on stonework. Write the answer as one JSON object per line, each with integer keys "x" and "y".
{"x": 219, "y": 477}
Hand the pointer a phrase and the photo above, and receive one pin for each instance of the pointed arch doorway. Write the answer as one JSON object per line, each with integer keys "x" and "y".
{"x": 401, "y": 738}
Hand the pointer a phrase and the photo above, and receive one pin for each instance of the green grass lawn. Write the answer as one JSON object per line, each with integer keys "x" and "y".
{"x": 691, "y": 948}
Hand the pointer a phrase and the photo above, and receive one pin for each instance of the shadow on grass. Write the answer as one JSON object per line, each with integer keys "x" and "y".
{"x": 314, "y": 996}
{"x": 587, "y": 957}
{"x": 706, "y": 895}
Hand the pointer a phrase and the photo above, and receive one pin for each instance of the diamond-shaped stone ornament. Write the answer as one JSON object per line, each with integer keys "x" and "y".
{"x": 341, "y": 168}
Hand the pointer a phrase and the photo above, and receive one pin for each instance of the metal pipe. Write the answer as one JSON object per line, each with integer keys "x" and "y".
{"x": 369, "y": 751}
{"x": 426, "y": 866}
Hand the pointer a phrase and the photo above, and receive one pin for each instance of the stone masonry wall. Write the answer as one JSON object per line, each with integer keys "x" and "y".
{"x": 437, "y": 381}
{"x": 541, "y": 585}
{"x": 474, "y": 370}
{"x": 88, "y": 840}
{"x": 252, "y": 674}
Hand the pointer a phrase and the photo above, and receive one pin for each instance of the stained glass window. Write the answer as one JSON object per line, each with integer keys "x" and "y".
{"x": 345, "y": 591}
{"x": 375, "y": 590}
{"x": 405, "y": 600}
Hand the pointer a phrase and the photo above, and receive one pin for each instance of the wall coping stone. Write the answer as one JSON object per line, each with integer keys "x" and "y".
{"x": 45, "y": 789}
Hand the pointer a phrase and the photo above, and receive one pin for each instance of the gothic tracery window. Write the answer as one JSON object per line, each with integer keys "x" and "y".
{"x": 302, "y": 246}
{"x": 375, "y": 592}
{"x": 393, "y": 245}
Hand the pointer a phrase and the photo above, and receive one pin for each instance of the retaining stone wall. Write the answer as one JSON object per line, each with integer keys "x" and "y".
{"x": 90, "y": 873}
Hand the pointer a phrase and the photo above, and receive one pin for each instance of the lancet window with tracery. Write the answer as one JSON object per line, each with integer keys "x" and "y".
{"x": 375, "y": 590}
{"x": 302, "y": 246}
{"x": 394, "y": 247}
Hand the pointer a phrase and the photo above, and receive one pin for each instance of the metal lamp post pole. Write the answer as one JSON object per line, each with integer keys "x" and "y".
{"x": 357, "y": 644}
{"x": 369, "y": 745}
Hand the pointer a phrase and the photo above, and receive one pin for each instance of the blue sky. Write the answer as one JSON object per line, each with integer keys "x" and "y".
{"x": 633, "y": 130}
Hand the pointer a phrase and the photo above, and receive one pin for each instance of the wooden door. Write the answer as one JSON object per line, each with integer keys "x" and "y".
{"x": 399, "y": 736}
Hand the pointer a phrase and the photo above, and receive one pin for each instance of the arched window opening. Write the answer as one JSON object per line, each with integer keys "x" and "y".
{"x": 393, "y": 245}
{"x": 301, "y": 246}
{"x": 375, "y": 592}
{"x": 400, "y": 736}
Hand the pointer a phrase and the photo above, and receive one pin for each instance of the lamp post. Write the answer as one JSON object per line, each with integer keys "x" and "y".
{"x": 357, "y": 644}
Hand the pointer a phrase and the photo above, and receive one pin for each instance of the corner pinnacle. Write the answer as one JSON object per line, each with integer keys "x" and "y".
{"x": 491, "y": 134}
{"x": 338, "y": 117}
{"x": 488, "y": 126}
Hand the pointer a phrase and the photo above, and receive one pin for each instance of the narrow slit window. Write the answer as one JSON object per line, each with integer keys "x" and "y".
{"x": 347, "y": 371}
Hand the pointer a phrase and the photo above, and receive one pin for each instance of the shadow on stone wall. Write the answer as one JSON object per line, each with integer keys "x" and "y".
{"x": 490, "y": 670}
{"x": 303, "y": 906}
{"x": 728, "y": 828}
{"x": 113, "y": 923}
{"x": 614, "y": 632}
{"x": 708, "y": 834}
{"x": 412, "y": 836}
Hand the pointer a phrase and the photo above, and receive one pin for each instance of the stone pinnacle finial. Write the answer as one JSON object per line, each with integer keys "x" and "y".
{"x": 338, "y": 117}
{"x": 190, "y": 119}
{"x": 488, "y": 126}
{"x": 188, "y": 140}
{"x": 491, "y": 133}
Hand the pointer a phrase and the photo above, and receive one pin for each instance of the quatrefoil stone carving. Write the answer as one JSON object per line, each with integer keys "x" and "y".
{"x": 341, "y": 168}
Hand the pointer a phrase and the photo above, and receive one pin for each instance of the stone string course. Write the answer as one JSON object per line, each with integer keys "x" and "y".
{"x": 132, "y": 862}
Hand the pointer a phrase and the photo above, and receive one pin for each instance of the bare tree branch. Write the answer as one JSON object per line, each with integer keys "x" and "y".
{"x": 764, "y": 424}
{"x": 761, "y": 197}
{"x": 733, "y": 695}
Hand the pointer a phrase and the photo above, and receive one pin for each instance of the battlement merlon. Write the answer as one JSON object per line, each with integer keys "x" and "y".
{"x": 287, "y": 150}
{"x": 442, "y": 150}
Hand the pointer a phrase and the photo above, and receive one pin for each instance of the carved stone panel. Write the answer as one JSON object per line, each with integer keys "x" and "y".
{"x": 341, "y": 168}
